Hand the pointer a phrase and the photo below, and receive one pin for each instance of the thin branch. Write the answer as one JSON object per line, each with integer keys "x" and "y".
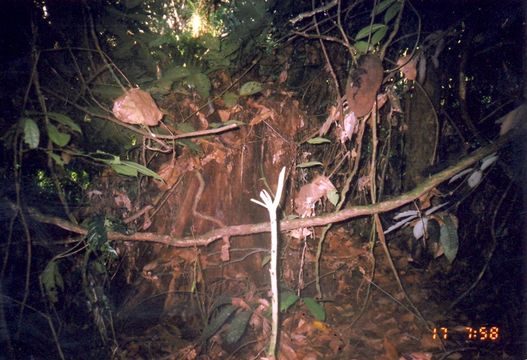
{"x": 248, "y": 229}
{"x": 313, "y": 12}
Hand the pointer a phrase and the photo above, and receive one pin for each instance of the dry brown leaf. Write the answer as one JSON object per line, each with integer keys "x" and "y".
{"x": 264, "y": 114}
{"x": 282, "y": 78}
{"x": 310, "y": 193}
{"x": 224, "y": 115}
{"x": 225, "y": 247}
{"x": 137, "y": 107}
{"x": 390, "y": 351}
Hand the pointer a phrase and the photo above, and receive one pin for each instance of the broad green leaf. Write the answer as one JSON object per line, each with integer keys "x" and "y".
{"x": 31, "y": 132}
{"x": 250, "y": 88}
{"x": 365, "y": 31}
{"x": 201, "y": 83}
{"x": 391, "y": 12}
{"x": 58, "y": 160}
{"x": 168, "y": 38}
{"x": 378, "y": 35}
{"x": 230, "y": 99}
{"x": 58, "y": 138}
{"x": 217, "y": 322}
{"x": 383, "y": 5}
{"x": 309, "y": 164}
{"x": 333, "y": 197}
{"x": 287, "y": 299}
{"x": 361, "y": 46}
{"x": 229, "y": 46}
{"x": 65, "y": 120}
{"x": 318, "y": 140}
{"x": 449, "y": 238}
{"x": 142, "y": 169}
{"x": 210, "y": 42}
{"x": 124, "y": 170}
{"x": 175, "y": 73}
{"x": 237, "y": 326}
{"x": 315, "y": 308}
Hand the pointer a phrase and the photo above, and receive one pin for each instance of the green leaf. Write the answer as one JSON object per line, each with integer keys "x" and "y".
{"x": 250, "y": 88}
{"x": 391, "y": 12}
{"x": 333, "y": 197}
{"x": 318, "y": 140}
{"x": 315, "y": 308}
{"x": 217, "y": 322}
{"x": 201, "y": 83}
{"x": 287, "y": 299}
{"x": 97, "y": 235}
{"x": 383, "y": 5}
{"x": 31, "y": 132}
{"x": 230, "y": 99}
{"x": 175, "y": 73}
{"x": 365, "y": 31}
{"x": 449, "y": 238}
{"x": 237, "y": 326}
{"x": 378, "y": 35}
{"x": 124, "y": 170}
{"x": 309, "y": 164}
{"x": 58, "y": 160}
{"x": 210, "y": 42}
{"x": 361, "y": 46}
{"x": 65, "y": 120}
{"x": 142, "y": 169}
{"x": 51, "y": 280}
{"x": 58, "y": 138}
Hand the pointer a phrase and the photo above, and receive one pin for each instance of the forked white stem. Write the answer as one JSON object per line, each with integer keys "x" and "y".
{"x": 271, "y": 207}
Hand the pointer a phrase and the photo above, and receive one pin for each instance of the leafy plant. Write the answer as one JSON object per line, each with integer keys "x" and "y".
{"x": 289, "y": 298}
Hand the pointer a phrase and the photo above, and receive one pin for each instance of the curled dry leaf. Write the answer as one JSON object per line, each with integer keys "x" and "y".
{"x": 137, "y": 107}
{"x": 348, "y": 127}
{"x": 310, "y": 193}
{"x": 363, "y": 84}
{"x": 408, "y": 66}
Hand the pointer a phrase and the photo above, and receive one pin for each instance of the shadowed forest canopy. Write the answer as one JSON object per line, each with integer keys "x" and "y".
{"x": 142, "y": 144}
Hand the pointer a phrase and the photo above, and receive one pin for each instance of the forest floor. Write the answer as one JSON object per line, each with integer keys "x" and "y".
{"x": 364, "y": 318}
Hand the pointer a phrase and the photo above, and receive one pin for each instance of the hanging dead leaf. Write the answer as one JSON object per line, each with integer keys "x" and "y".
{"x": 408, "y": 66}
{"x": 225, "y": 115}
{"x": 310, "y": 193}
{"x": 225, "y": 247}
{"x": 282, "y": 77}
{"x": 363, "y": 84}
{"x": 137, "y": 107}
{"x": 264, "y": 114}
{"x": 347, "y": 128}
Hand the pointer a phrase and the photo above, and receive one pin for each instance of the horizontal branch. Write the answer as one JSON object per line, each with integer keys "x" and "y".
{"x": 285, "y": 225}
